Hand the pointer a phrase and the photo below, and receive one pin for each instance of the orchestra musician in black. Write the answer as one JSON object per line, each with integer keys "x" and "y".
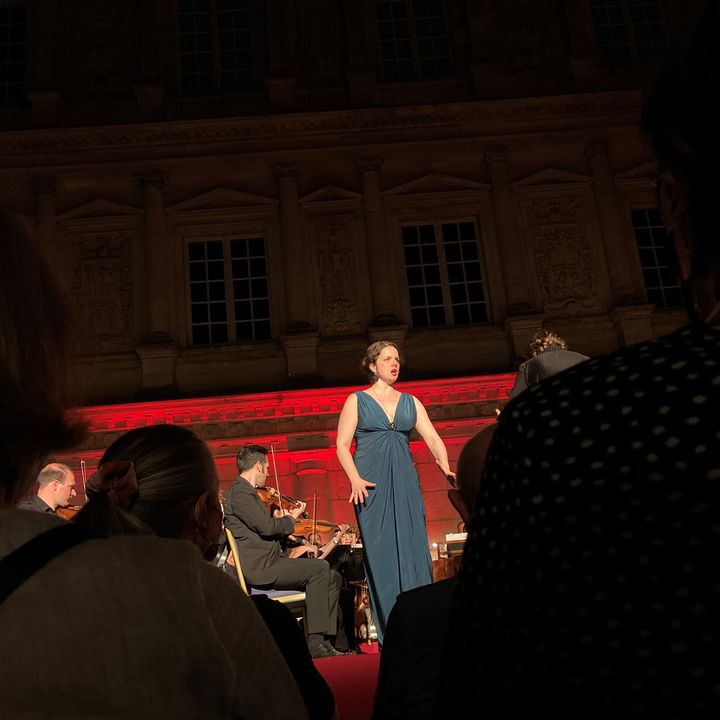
{"x": 261, "y": 558}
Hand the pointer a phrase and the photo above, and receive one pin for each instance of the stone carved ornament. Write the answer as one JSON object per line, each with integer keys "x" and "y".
{"x": 563, "y": 260}
{"x": 528, "y": 37}
{"x": 107, "y": 42}
{"x": 337, "y": 278}
{"x": 322, "y": 129}
{"x": 102, "y": 291}
{"x": 322, "y": 53}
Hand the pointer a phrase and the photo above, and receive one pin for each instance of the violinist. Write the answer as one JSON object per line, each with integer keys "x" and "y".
{"x": 259, "y": 536}
{"x": 56, "y": 487}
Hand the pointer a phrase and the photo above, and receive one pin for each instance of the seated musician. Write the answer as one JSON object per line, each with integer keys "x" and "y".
{"x": 261, "y": 558}
{"x": 337, "y": 553}
{"x": 56, "y": 487}
{"x": 296, "y": 546}
{"x": 312, "y": 546}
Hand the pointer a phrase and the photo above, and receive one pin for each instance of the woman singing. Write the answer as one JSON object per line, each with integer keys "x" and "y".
{"x": 385, "y": 486}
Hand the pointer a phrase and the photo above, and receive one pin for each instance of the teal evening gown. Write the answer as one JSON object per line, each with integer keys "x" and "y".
{"x": 392, "y": 520}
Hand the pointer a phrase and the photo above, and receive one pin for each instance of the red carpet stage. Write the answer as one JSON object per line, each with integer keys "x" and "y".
{"x": 353, "y": 679}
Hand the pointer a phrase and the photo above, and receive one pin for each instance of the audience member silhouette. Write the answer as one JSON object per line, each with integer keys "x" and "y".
{"x": 151, "y": 629}
{"x": 589, "y": 584}
{"x": 163, "y": 478}
{"x": 411, "y": 668}
{"x": 548, "y": 354}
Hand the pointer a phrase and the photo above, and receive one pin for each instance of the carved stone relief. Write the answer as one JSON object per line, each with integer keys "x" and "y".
{"x": 339, "y": 309}
{"x": 105, "y": 47}
{"x": 321, "y": 55}
{"x": 102, "y": 291}
{"x": 530, "y": 38}
{"x": 563, "y": 257}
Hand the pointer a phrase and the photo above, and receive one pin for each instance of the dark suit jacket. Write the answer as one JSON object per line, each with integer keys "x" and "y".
{"x": 411, "y": 668}
{"x": 256, "y": 533}
{"x": 543, "y": 366}
{"x": 35, "y": 504}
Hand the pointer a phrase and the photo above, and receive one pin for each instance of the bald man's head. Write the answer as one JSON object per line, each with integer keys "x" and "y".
{"x": 56, "y": 485}
{"x": 470, "y": 466}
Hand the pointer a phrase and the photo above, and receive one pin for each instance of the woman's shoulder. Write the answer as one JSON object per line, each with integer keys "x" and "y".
{"x": 113, "y": 563}
{"x": 139, "y": 560}
{"x": 130, "y": 553}
{"x": 416, "y": 404}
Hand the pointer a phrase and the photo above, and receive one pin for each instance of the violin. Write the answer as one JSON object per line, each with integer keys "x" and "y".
{"x": 305, "y": 525}
{"x": 276, "y": 501}
{"x": 69, "y": 512}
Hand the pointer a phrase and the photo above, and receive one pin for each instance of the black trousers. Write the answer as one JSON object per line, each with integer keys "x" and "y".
{"x": 321, "y": 586}
{"x": 345, "y": 639}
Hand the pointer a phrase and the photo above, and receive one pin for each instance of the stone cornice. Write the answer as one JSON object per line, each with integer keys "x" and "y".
{"x": 180, "y": 139}
{"x": 287, "y": 413}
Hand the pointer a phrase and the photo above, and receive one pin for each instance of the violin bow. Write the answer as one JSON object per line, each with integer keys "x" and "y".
{"x": 83, "y": 475}
{"x": 314, "y": 520}
{"x": 275, "y": 472}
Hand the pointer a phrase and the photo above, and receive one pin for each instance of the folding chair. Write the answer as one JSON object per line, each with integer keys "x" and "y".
{"x": 294, "y": 599}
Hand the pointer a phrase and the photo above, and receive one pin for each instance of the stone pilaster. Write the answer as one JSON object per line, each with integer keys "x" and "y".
{"x": 292, "y": 223}
{"x": 158, "y": 367}
{"x": 149, "y": 89}
{"x": 359, "y": 77}
{"x": 281, "y": 84}
{"x": 519, "y": 330}
{"x": 42, "y": 67}
{"x": 381, "y": 267}
{"x": 156, "y": 259}
{"x": 46, "y": 227}
{"x": 583, "y": 59}
{"x": 45, "y": 108}
{"x": 615, "y": 243}
{"x": 151, "y": 99}
{"x": 394, "y": 333}
{"x": 632, "y": 324}
{"x": 512, "y": 260}
{"x": 281, "y": 94}
{"x": 301, "y": 353}
{"x": 157, "y": 351}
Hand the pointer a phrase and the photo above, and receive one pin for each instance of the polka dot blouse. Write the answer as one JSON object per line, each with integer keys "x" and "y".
{"x": 590, "y": 583}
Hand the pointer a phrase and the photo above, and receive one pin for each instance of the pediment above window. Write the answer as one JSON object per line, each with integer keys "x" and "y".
{"x": 436, "y": 183}
{"x": 331, "y": 194}
{"x": 101, "y": 210}
{"x": 552, "y": 177}
{"x": 222, "y": 199}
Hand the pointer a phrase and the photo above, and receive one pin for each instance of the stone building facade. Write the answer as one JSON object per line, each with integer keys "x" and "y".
{"x": 241, "y": 194}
